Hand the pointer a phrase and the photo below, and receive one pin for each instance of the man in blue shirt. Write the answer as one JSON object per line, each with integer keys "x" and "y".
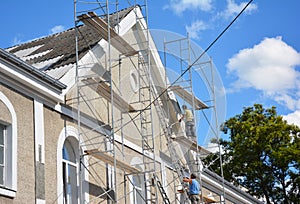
{"x": 194, "y": 188}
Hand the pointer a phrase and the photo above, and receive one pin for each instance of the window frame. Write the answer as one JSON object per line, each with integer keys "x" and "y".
{"x": 138, "y": 188}
{"x": 9, "y": 188}
{"x": 70, "y": 132}
{"x": 67, "y": 164}
{"x": 4, "y": 146}
{"x": 136, "y": 161}
{"x": 134, "y": 81}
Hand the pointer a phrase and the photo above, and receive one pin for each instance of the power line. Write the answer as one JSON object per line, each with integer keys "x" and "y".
{"x": 191, "y": 65}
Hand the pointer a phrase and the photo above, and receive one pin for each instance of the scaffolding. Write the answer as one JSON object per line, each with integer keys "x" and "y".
{"x": 182, "y": 86}
{"x": 113, "y": 55}
{"x": 103, "y": 75}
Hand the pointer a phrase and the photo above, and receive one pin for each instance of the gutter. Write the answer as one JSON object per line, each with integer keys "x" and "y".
{"x": 230, "y": 188}
{"x": 56, "y": 84}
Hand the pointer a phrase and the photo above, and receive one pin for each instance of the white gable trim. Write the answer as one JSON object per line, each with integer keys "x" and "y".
{"x": 26, "y": 85}
{"x": 124, "y": 26}
{"x": 39, "y": 135}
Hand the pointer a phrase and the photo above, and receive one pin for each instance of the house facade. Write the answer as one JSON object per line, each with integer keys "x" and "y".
{"x": 85, "y": 118}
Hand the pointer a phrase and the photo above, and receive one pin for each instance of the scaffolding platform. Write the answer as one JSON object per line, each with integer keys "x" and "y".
{"x": 102, "y": 88}
{"x": 192, "y": 145}
{"x": 103, "y": 156}
{"x": 188, "y": 97}
{"x": 100, "y": 26}
{"x": 208, "y": 199}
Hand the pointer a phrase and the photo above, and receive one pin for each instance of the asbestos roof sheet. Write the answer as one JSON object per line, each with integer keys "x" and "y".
{"x": 58, "y": 51}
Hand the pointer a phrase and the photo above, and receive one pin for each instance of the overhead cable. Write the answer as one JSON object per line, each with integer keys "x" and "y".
{"x": 191, "y": 65}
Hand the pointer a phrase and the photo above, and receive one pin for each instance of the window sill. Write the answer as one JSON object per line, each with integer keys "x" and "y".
{"x": 7, "y": 192}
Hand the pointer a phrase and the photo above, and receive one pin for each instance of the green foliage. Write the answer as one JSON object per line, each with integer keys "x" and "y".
{"x": 263, "y": 154}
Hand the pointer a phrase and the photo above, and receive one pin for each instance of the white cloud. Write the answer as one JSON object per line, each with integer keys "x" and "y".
{"x": 195, "y": 28}
{"x": 293, "y": 118}
{"x": 16, "y": 41}
{"x": 233, "y": 9}
{"x": 287, "y": 100}
{"x": 269, "y": 67}
{"x": 57, "y": 29}
{"x": 179, "y": 6}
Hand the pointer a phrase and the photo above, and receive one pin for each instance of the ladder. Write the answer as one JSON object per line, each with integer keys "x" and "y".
{"x": 171, "y": 147}
{"x": 167, "y": 132}
{"x": 145, "y": 99}
{"x": 161, "y": 190}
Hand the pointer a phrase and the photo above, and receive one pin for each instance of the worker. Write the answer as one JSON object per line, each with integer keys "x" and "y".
{"x": 194, "y": 188}
{"x": 188, "y": 117}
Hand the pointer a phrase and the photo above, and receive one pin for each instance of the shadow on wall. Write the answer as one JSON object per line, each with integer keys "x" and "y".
{"x": 95, "y": 190}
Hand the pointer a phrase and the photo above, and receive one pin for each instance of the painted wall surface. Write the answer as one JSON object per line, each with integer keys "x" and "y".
{"x": 54, "y": 123}
{"x": 23, "y": 107}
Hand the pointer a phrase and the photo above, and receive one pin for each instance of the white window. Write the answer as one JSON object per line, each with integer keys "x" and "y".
{"x": 138, "y": 192}
{"x": 137, "y": 187}
{"x": 70, "y": 172}
{"x": 134, "y": 82}
{"x": 8, "y": 148}
{"x": 3, "y": 133}
{"x": 70, "y": 189}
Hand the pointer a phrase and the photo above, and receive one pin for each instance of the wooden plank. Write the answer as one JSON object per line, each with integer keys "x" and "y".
{"x": 103, "y": 156}
{"x": 103, "y": 89}
{"x": 207, "y": 199}
{"x": 100, "y": 26}
{"x": 187, "y": 96}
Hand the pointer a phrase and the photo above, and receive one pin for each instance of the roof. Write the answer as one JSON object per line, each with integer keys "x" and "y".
{"x": 23, "y": 67}
{"x": 56, "y": 54}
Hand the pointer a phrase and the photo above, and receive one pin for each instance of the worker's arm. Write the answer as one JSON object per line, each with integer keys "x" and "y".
{"x": 187, "y": 180}
{"x": 181, "y": 118}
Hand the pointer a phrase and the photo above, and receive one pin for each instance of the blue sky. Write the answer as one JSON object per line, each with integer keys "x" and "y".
{"x": 258, "y": 58}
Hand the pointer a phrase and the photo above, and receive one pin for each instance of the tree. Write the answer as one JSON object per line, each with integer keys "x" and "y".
{"x": 262, "y": 155}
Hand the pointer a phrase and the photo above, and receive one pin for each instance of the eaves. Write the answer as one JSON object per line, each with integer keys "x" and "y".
{"x": 33, "y": 81}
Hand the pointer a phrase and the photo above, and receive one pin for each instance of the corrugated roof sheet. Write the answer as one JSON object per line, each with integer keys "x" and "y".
{"x": 57, "y": 51}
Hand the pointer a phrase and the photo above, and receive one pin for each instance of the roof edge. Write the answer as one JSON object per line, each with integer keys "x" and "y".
{"x": 32, "y": 70}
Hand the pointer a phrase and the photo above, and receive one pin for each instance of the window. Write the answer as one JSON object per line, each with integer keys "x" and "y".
{"x": 138, "y": 194}
{"x": 137, "y": 187}
{"x": 69, "y": 171}
{"x": 134, "y": 81}
{"x": 3, "y": 133}
{"x": 8, "y": 148}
